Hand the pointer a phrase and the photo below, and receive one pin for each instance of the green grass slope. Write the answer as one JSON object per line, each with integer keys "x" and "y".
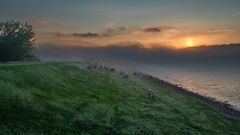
{"x": 69, "y": 99}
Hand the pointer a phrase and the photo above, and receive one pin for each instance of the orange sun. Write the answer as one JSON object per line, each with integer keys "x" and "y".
{"x": 189, "y": 42}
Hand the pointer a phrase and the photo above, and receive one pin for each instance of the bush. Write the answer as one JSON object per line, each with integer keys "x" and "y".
{"x": 16, "y": 41}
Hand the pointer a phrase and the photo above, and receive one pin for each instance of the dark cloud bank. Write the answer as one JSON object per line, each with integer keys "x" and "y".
{"x": 158, "y": 29}
{"x": 110, "y": 32}
{"x": 220, "y": 56}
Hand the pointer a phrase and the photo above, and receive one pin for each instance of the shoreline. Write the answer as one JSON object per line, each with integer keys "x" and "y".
{"x": 223, "y": 107}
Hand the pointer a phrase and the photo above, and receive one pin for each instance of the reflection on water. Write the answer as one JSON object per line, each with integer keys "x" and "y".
{"x": 222, "y": 85}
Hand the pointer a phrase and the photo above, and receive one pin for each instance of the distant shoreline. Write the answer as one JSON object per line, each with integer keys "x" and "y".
{"x": 226, "y": 108}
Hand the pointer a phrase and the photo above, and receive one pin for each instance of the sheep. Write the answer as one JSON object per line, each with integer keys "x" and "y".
{"x": 135, "y": 73}
{"x": 94, "y": 66}
{"x": 125, "y": 76}
{"x": 100, "y": 67}
{"x": 106, "y": 68}
{"x": 121, "y": 73}
{"x": 112, "y": 69}
{"x": 151, "y": 94}
{"x": 89, "y": 67}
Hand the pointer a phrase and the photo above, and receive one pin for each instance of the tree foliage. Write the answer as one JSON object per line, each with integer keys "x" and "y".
{"x": 16, "y": 41}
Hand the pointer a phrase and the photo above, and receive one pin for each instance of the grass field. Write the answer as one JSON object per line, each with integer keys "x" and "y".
{"x": 69, "y": 99}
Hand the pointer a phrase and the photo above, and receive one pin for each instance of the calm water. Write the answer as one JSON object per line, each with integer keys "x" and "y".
{"x": 220, "y": 84}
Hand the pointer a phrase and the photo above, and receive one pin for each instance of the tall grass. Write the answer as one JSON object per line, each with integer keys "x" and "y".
{"x": 68, "y": 99}
{"x": 11, "y": 96}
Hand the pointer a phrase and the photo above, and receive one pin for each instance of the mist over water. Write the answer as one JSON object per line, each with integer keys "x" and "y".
{"x": 210, "y": 71}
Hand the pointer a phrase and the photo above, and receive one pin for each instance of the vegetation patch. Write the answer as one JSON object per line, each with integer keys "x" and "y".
{"x": 68, "y": 98}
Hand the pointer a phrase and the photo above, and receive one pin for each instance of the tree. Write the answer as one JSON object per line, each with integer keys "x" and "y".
{"x": 16, "y": 41}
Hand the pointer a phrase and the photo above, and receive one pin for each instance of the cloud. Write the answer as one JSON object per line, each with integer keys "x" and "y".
{"x": 46, "y": 21}
{"x": 110, "y": 32}
{"x": 215, "y": 31}
{"x": 87, "y": 35}
{"x": 152, "y": 30}
{"x": 149, "y": 37}
{"x": 115, "y": 31}
{"x": 208, "y": 34}
{"x": 78, "y": 35}
{"x": 158, "y": 29}
{"x": 58, "y": 34}
{"x": 119, "y": 31}
{"x": 236, "y": 14}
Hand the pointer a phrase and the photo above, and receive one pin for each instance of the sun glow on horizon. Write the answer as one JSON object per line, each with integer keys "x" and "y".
{"x": 190, "y": 42}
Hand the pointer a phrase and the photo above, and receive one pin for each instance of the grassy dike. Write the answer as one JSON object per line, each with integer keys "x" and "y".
{"x": 66, "y": 98}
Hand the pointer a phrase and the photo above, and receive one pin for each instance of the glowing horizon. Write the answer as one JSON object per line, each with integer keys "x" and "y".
{"x": 156, "y": 23}
{"x": 171, "y": 37}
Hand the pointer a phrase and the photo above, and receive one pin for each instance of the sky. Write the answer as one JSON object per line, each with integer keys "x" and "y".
{"x": 149, "y": 23}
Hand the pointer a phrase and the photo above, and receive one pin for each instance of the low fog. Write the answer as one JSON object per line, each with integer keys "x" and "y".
{"x": 204, "y": 57}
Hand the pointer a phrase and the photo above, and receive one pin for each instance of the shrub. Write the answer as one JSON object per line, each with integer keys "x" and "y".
{"x": 16, "y": 41}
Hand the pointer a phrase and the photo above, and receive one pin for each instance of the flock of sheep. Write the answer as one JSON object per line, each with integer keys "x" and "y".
{"x": 90, "y": 66}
